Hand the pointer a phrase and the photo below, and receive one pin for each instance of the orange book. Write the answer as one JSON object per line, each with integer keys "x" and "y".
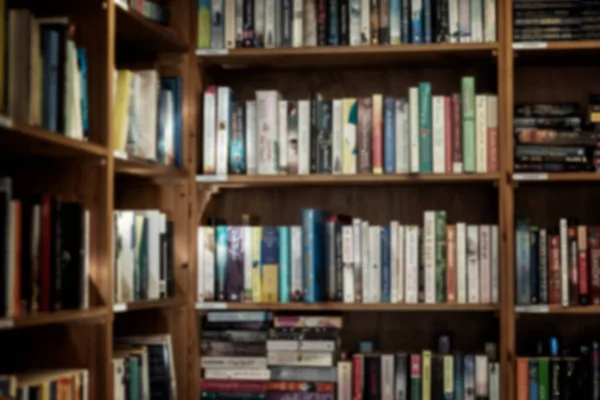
{"x": 16, "y": 212}
{"x": 451, "y": 263}
{"x": 522, "y": 378}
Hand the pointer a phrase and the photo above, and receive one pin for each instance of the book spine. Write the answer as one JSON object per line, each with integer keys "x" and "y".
{"x": 237, "y": 143}
{"x": 406, "y": 21}
{"x": 481, "y": 133}
{"x": 209, "y": 133}
{"x": 251, "y": 135}
{"x": 554, "y": 275}
{"x": 304, "y": 137}
{"x": 296, "y": 263}
{"x": 492, "y": 132}
{"x": 440, "y": 257}
{"x": 357, "y": 259}
{"x": 247, "y": 251}
{"x": 347, "y": 285}
{"x": 429, "y": 256}
{"x": 355, "y": 22}
{"x": 413, "y": 107}
{"x": 259, "y": 23}
{"x": 415, "y": 377}
{"x": 321, "y": 22}
{"x": 372, "y": 377}
{"x": 364, "y": 134}
{"x": 464, "y": 19}
{"x": 485, "y": 264}
{"x": 453, "y": 21}
{"x": 344, "y": 25}
{"x": 495, "y": 261}
{"x": 375, "y": 262}
{"x": 438, "y": 135}
{"x": 336, "y": 136}
{"x": 230, "y": 23}
{"x": 286, "y": 23}
{"x": 216, "y": 385}
{"x": 248, "y": 38}
{"x": 427, "y": 16}
{"x": 469, "y": 377}
{"x": 239, "y": 23}
{"x": 357, "y": 375}
{"x": 458, "y": 376}
{"x": 282, "y": 121}
{"x": 481, "y": 377}
{"x": 365, "y": 22}
{"x": 426, "y": 375}
{"x": 476, "y": 21}
{"x": 224, "y": 110}
{"x": 543, "y": 378}
{"x": 292, "y": 137}
{"x": 425, "y": 142}
{"x": 594, "y": 260}
{"x": 314, "y": 132}
{"x": 595, "y": 374}
{"x": 473, "y": 264}
{"x": 543, "y": 266}
{"x": 387, "y": 377}
{"x": 457, "y": 138}
{"x": 344, "y": 381}
{"x": 217, "y": 28}
{"x": 468, "y": 123}
{"x": 284, "y": 264}
{"x": 395, "y": 22}
{"x": 522, "y": 263}
{"x": 310, "y": 23}
{"x": 377, "y": 130}
{"x": 270, "y": 24}
{"x": 256, "y": 264}
{"x": 394, "y": 261}
{"x": 533, "y": 379}
{"x": 268, "y": 147}
{"x": 385, "y": 264}
{"x": 270, "y": 263}
{"x": 384, "y": 21}
{"x": 494, "y": 381}
{"x": 583, "y": 265}
{"x": 333, "y": 34}
{"x": 448, "y": 140}
{"x": 564, "y": 263}
{"x": 461, "y": 263}
{"x": 441, "y": 30}
{"x": 572, "y": 263}
{"x": 448, "y": 377}
{"x": 401, "y": 373}
{"x": 417, "y": 21}
{"x": 312, "y": 258}
{"x": 451, "y": 260}
{"x": 349, "y": 147}
{"x": 412, "y": 263}
{"x": 324, "y": 142}
{"x": 389, "y": 128}
{"x": 221, "y": 261}
{"x": 204, "y": 24}
{"x": 375, "y": 21}
{"x": 300, "y": 358}
{"x": 298, "y": 24}
{"x": 366, "y": 262}
{"x": 402, "y": 137}
{"x": 489, "y": 34}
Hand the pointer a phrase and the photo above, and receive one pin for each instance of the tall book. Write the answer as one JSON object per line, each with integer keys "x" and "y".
{"x": 468, "y": 124}
{"x": 425, "y": 142}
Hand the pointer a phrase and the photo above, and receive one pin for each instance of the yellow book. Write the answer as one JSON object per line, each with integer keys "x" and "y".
{"x": 448, "y": 374}
{"x": 269, "y": 257}
{"x": 256, "y": 268}
{"x": 45, "y": 391}
{"x": 121, "y": 110}
{"x": 426, "y": 388}
{"x": 349, "y": 121}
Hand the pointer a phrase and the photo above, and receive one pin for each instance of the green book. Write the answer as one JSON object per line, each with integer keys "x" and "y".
{"x": 440, "y": 256}
{"x": 134, "y": 378}
{"x": 468, "y": 117}
{"x": 425, "y": 157}
{"x": 203, "y": 24}
{"x": 543, "y": 379}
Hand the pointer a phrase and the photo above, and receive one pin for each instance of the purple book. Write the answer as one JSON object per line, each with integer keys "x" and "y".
{"x": 234, "y": 278}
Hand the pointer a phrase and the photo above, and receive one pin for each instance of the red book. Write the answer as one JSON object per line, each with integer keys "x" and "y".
{"x": 448, "y": 134}
{"x": 522, "y": 378}
{"x": 451, "y": 263}
{"x": 594, "y": 261}
{"x": 456, "y": 134}
{"x": 377, "y": 134}
{"x": 357, "y": 379}
{"x": 45, "y": 253}
{"x": 231, "y": 385}
{"x": 554, "y": 269}
{"x": 582, "y": 264}
{"x": 415, "y": 366}
{"x": 492, "y": 134}
{"x": 572, "y": 262}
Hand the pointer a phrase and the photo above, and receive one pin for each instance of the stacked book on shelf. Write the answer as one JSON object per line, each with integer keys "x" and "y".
{"x": 148, "y": 122}
{"x": 552, "y": 138}
{"x": 153, "y": 11}
{"x": 338, "y": 258}
{"x": 143, "y": 368}
{"x": 45, "y": 247}
{"x": 144, "y": 263}
{"x": 379, "y": 134}
{"x": 559, "y": 265}
{"x": 46, "y": 74}
{"x": 555, "y": 20}
{"x": 304, "y": 23}
{"x": 59, "y": 384}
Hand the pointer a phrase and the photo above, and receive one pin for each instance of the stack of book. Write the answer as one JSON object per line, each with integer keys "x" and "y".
{"x": 148, "y": 121}
{"x": 143, "y": 368}
{"x": 299, "y": 23}
{"x": 377, "y": 134}
{"x": 45, "y": 247}
{"x": 553, "y": 20}
{"x": 447, "y": 374}
{"x": 46, "y": 80}
{"x": 557, "y": 266}
{"x": 549, "y": 137}
{"x": 45, "y": 385}
{"x": 233, "y": 354}
{"x": 144, "y": 262}
{"x": 151, "y": 10}
{"x": 338, "y": 258}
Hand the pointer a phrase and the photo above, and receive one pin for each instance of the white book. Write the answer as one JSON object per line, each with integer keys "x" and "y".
{"x": 357, "y": 257}
{"x": 119, "y": 379}
{"x": 402, "y": 140}
{"x": 482, "y": 388}
{"x": 429, "y": 255}
{"x": 564, "y": 263}
{"x": 495, "y": 261}
{"x": 238, "y": 374}
{"x": 387, "y": 377}
{"x": 366, "y": 266}
{"x": 259, "y": 21}
{"x": 453, "y": 21}
{"x": 149, "y": 83}
{"x": 336, "y": 136}
{"x": 461, "y": 263}
{"x": 412, "y": 264}
{"x": 348, "y": 263}
{"x": 163, "y": 262}
{"x": 230, "y": 24}
{"x": 169, "y": 129}
{"x": 473, "y": 264}
{"x": 476, "y": 21}
{"x": 438, "y": 135}
{"x": 365, "y": 22}
{"x": 125, "y": 256}
{"x": 298, "y": 24}
{"x": 489, "y": 25}
{"x": 303, "y": 137}
{"x": 355, "y": 22}
{"x": 494, "y": 381}
{"x": 296, "y": 259}
{"x": 223, "y": 128}
{"x": 344, "y": 380}
{"x": 375, "y": 262}
{"x": 251, "y": 146}
{"x": 481, "y": 132}
{"x": 394, "y": 261}
{"x": 485, "y": 264}
{"x": 270, "y": 21}
{"x": 211, "y": 362}
{"x": 413, "y": 125}
{"x": 282, "y": 120}
{"x": 153, "y": 218}
{"x": 301, "y": 358}
{"x": 247, "y": 243}
{"x": 266, "y": 114}
{"x": 401, "y": 262}
{"x": 206, "y": 262}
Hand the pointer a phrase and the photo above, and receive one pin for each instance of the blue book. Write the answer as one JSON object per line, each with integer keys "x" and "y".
{"x": 82, "y": 60}
{"x": 469, "y": 373}
{"x": 425, "y": 146}
{"x": 51, "y": 67}
{"x": 458, "y": 376}
{"x": 405, "y": 21}
{"x": 417, "y": 21}
{"x": 284, "y": 264}
{"x": 386, "y": 275}
{"x": 427, "y": 22}
{"x": 395, "y": 22}
{"x": 533, "y": 265}
{"x": 533, "y": 380}
{"x": 174, "y": 84}
{"x": 333, "y": 26}
{"x": 313, "y": 255}
{"x": 389, "y": 135}
{"x": 221, "y": 261}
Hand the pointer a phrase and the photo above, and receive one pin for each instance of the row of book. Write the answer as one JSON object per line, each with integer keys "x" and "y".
{"x": 46, "y": 80}
{"x": 377, "y": 134}
{"x": 552, "y": 137}
{"x": 143, "y": 264}
{"x": 559, "y": 265}
{"x": 45, "y": 254}
{"x": 153, "y": 11}
{"x": 148, "y": 119}
{"x": 143, "y": 368}
{"x": 553, "y": 20}
{"x": 60, "y": 385}
{"x": 338, "y": 258}
{"x": 299, "y": 23}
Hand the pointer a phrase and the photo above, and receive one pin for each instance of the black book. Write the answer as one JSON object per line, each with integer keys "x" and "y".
{"x": 287, "y": 16}
{"x": 170, "y": 278}
{"x": 5, "y": 198}
{"x": 570, "y": 384}
{"x": 26, "y": 253}
{"x": 62, "y": 31}
{"x": 595, "y": 370}
{"x": 72, "y": 221}
{"x": 324, "y": 162}
{"x": 437, "y": 377}
{"x": 55, "y": 255}
{"x": 441, "y": 33}
{"x": 372, "y": 377}
{"x": 543, "y": 266}
{"x": 533, "y": 262}
{"x": 343, "y": 19}
{"x": 405, "y": 22}
{"x": 248, "y": 24}
{"x": 321, "y": 25}
{"x": 314, "y": 131}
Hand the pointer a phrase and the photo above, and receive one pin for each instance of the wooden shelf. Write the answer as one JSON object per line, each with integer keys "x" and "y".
{"x": 557, "y": 177}
{"x": 430, "y": 54}
{"x": 148, "y": 169}
{"x": 20, "y": 139}
{"x": 49, "y": 318}
{"x": 559, "y": 53}
{"x": 137, "y": 33}
{"x": 325, "y": 307}
{"x": 253, "y": 181}
{"x": 149, "y": 305}
{"x": 553, "y": 309}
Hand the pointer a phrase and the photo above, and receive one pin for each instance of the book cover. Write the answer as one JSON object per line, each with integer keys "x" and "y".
{"x": 234, "y": 278}
{"x": 468, "y": 123}
{"x": 237, "y": 143}
{"x": 402, "y": 137}
{"x": 425, "y": 142}
{"x": 377, "y": 130}
{"x": 481, "y": 133}
{"x": 303, "y": 142}
{"x": 364, "y": 134}
{"x": 389, "y": 135}
{"x": 221, "y": 262}
{"x": 282, "y": 142}
{"x": 270, "y": 262}
{"x": 395, "y": 22}
{"x": 349, "y": 126}
{"x": 312, "y": 255}
{"x": 354, "y": 22}
{"x": 337, "y": 137}
{"x": 438, "y": 135}
{"x": 375, "y": 21}
{"x": 284, "y": 264}
{"x": 416, "y": 21}
{"x": 385, "y": 264}
{"x": 292, "y": 137}
{"x": 257, "y": 235}
{"x": 440, "y": 257}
